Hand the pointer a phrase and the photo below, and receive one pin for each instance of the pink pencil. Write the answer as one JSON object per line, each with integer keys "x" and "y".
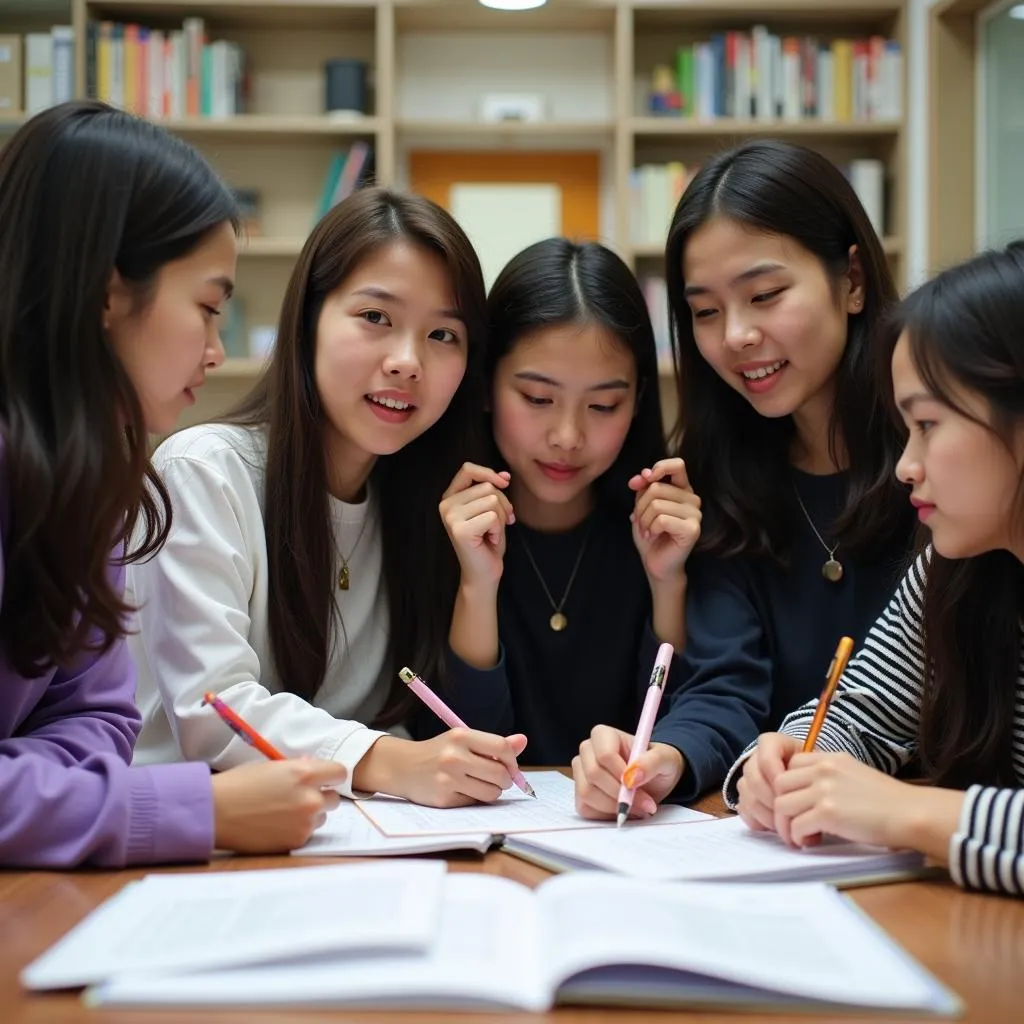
{"x": 642, "y": 740}
{"x": 452, "y": 720}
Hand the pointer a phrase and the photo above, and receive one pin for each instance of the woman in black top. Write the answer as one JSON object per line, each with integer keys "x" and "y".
{"x": 573, "y": 547}
{"x": 776, "y": 281}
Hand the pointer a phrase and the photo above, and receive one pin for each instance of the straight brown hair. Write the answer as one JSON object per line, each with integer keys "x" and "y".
{"x": 84, "y": 190}
{"x": 420, "y": 568}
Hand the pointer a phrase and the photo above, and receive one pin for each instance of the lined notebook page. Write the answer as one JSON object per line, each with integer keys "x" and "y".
{"x": 513, "y": 813}
{"x": 347, "y": 832}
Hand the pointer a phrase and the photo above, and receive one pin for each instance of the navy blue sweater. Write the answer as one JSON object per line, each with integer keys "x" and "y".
{"x": 759, "y": 638}
{"x": 556, "y": 687}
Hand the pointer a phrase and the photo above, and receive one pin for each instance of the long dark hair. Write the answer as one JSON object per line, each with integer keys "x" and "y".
{"x": 735, "y": 457}
{"x": 420, "y": 569}
{"x": 556, "y": 282}
{"x": 964, "y": 332}
{"x": 84, "y": 190}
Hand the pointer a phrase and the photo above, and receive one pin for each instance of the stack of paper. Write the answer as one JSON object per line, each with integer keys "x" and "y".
{"x": 719, "y": 850}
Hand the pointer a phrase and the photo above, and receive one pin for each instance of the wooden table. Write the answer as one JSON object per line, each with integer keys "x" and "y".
{"x": 975, "y": 944}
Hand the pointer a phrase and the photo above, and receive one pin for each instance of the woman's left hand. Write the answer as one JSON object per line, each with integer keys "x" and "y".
{"x": 835, "y": 794}
{"x": 666, "y": 519}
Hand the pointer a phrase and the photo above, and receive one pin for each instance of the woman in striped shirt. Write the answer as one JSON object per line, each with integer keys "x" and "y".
{"x": 939, "y": 678}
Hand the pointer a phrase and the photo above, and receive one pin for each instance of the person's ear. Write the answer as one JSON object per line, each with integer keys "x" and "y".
{"x": 856, "y": 294}
{"x": 118, "y": 303}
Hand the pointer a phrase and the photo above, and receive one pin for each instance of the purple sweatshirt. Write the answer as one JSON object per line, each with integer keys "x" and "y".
{"x": 67, "y": 793}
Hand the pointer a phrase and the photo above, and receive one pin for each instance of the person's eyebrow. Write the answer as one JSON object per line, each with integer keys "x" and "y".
{"x": 225, "y": 283}
{"x": 909, "y": 401}
{"x": 758, "y": 270}
{"x": 373, "y": 292}
{"x": 539, "y": 378}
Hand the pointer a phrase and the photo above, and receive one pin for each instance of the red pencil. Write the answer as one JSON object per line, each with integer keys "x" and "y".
{"x": 242, "y": 729}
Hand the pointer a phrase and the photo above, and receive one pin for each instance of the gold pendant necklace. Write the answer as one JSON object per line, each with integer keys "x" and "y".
{"x": 345, "y": 573}
{"x": 558, "y": 620}
{"x": 832, "y": 570}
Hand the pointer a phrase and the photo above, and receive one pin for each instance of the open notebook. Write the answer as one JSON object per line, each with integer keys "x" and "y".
{"x": 514, "y": 813}
{"x": 347, "y": 832}
{"x": 592, "y": 938}
{"x": 717, "y": 850}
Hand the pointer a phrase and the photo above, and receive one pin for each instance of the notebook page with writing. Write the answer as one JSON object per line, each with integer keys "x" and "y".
{"x": 720, "y": 850}
{"x": 800, "y": 941}
{"x": 513, "y": 812}
{"x": 347, "y": 832}
{"x": 485, "y": 957}
{"x": 210, "y": 919}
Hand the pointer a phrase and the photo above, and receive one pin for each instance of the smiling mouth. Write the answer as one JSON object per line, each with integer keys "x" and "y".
{"x": 391, "y": 403}
{"x": 764, "y": 371}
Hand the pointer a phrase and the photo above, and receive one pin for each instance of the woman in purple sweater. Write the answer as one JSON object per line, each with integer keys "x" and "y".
{"x": 117, "y": 252}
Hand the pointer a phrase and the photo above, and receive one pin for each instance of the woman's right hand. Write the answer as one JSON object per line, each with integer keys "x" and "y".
{"x": 475, "y": 513}
{"x": 273, "y": 806}
{"x": 598, "y": 768}
{"x": 756, "y": 786}
{"x": 456, "y": 768}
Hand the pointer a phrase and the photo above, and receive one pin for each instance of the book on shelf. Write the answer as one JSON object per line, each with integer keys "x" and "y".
{"x": 589, "y": 939}
{"x": 655, "y": 190}
{"x": 345, "y": 173}
{"x": 165, "y": 74}
{"x": 656, "y": 297}
{"x": 37, "y": 70}
{"x": 763, "y": 76}
{"x": 11, "y": 80}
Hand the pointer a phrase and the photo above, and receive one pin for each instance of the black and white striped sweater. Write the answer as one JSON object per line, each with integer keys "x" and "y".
{"x": 874, "y": 716}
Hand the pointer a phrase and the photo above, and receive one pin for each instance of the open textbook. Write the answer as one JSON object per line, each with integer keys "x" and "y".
{"x": 513, "y": 813}
{"x": 717, "y": 850}
{"x": 190, "y": 920}
{"x": 591, "y": 938}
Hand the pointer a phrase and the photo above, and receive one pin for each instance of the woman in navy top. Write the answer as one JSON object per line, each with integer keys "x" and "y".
{"x": 776, "y": 282}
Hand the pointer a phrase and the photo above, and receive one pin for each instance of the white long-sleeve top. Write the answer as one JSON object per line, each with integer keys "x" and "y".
{"x": 202, "y": 621}
{"x": 875, "y": 715}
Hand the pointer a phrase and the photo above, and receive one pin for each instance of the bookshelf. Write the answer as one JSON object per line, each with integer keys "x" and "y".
{"x": 952, "y": 116}
{"x": 419, "y": 50}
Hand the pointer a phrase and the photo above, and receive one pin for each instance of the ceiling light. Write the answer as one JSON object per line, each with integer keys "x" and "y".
{"x": 1017, "y": 12}
{"x": 519, "y": 5}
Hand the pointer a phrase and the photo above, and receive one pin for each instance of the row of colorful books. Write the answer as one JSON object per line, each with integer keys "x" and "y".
{"x": 165, "y": 74}
{"x": 764, "y": 76}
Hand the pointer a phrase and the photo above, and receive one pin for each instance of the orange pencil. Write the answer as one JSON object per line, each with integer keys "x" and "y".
{"x": 835, "y": 670}
{"x": 241, "y": 728}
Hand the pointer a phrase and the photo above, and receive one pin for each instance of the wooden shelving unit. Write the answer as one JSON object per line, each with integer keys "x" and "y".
{"x": 283, "y": 147}
{"x": 952, "y": 113}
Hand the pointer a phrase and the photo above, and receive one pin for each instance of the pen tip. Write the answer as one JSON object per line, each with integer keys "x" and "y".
{"x": 406, "y": 675}
{"x": 623, "y": 814}
{"x": 531, "y": 791}
{"x": 620, "y": 820}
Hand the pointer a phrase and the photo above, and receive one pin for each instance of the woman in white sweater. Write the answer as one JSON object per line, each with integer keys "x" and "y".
{"x": 940, "y": 677}
{"x": 305, "y": 562}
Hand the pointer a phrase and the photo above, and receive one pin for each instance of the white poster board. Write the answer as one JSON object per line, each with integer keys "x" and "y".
{"x": 502, "y": 219}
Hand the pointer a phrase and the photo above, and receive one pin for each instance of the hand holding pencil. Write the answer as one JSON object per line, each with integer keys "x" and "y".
{"x": 772, "y": 756}
{"x": 272, "y": 805}
{"x": 452, "y": 720}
